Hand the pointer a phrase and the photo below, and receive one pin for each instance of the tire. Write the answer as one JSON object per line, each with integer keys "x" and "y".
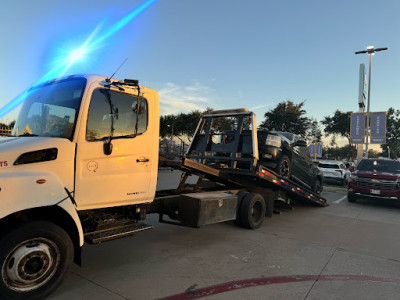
{"x": 317, "y": 187}
{"x": 252, "y": 211}
{"x": 351, "y": 198}
{"x": 284, "y": 167}
{"x": 34, "y": 258}
{"x": 240, "y": 196}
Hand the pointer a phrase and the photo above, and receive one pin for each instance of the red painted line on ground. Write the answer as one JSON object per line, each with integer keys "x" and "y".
{"x": 242, "y": 284}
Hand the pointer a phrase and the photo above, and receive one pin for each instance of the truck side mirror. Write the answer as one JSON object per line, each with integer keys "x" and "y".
{"x": 107, "y": 147}
{"x": 352, "y": 168}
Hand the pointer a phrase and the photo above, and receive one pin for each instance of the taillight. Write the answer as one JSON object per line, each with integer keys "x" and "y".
{"x": 341, "y": 172}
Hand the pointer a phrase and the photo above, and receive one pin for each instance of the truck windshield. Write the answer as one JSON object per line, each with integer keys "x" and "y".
{"x": 51, "y": 109}
{"x": 379, "y": 166}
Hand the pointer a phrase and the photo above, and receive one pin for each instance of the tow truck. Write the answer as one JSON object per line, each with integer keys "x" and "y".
{"x": 81, "y": 166}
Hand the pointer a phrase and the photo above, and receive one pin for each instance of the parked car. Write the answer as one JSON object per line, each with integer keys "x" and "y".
{"x": 334, "y": 171}
{"x": 375, "y": 178}
{"x": 288, "y": 155}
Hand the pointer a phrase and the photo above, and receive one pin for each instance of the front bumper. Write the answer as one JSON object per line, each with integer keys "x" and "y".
{"x": 269, "y": 156}
{"x": 333, "y": 179}
{"x": 375, "y": 194}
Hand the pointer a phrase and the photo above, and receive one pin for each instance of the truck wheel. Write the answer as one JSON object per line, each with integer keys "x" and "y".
{"x": 284, "y": 167}
{"x": 34, "y": 258}
{"x": 240, "y": 196}
{"x": 351, "y": 198}
{"x": 252, "y": 211}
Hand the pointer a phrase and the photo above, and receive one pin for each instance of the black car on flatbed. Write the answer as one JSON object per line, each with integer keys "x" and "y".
{"x": 287, "y": 154}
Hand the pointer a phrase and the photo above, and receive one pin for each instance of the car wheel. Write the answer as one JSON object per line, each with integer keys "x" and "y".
{"x": 284, "y": 167}
{"x": 317, "y": 187}
{"x": 351, "y": 198}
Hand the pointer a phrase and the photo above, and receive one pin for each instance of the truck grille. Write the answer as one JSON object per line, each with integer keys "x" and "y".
{"x": 378, "y": 184}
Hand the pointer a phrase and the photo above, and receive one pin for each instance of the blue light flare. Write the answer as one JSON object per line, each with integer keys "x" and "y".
{"x": 92, "y": 43}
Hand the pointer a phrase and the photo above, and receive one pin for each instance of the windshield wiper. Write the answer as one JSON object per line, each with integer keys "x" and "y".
{"x": 28, "y": 134}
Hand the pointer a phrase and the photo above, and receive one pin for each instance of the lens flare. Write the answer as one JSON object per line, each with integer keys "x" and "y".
{"x": 78, "y": 54}
{"x": 92, "y": 43}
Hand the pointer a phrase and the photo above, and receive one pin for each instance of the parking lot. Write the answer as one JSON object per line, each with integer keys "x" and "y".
{"x": 343, "y": 251}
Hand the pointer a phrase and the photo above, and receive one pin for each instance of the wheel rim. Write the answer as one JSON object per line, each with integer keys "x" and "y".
{"x": 318, "y": 188}
{"x": 31, "y": 264}
{"x": 284, "y": 169}
{"x": 256, "y": 211}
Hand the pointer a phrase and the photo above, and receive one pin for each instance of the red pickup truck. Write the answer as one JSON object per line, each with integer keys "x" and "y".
{"x": 376, "y": 179}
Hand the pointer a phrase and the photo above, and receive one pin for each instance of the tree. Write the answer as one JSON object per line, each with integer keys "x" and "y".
{"x": 373, "y": 153}
{"x": 167, "y": 124}
{"x": 338, "y": 124}
{"x": 392, "y": 134}
{"x": 314, "y": 133}
{"x": 183, "y": 124}
{"x": 287, "y": 116}
{"x": 345, "y": 152}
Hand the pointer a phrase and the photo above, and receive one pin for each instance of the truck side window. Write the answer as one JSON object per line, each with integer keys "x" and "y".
{"x": 114, "y": 114}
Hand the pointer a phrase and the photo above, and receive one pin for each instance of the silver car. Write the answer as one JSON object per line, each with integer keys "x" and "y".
{"x": 334, "y": 171}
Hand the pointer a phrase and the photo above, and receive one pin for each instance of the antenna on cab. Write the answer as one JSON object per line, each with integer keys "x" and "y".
{"x": 108, "y": 79}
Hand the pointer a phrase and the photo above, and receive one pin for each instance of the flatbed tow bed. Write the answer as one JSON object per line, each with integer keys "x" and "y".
{"x": 243, "y": 179}
{"x": 229, "y": 173}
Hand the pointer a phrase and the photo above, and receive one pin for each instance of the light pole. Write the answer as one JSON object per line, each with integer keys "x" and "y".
{"x": 172, "y": 135}
{"x": 371, "y": 51}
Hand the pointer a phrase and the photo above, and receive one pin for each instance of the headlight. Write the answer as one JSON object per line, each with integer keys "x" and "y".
{"x": 273, "y": 140}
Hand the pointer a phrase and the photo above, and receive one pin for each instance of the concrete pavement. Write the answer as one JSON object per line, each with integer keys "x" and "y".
{"x": 344, "y": 251}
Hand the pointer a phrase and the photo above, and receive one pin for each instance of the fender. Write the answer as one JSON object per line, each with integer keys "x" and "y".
{"x": 25, "y": 190}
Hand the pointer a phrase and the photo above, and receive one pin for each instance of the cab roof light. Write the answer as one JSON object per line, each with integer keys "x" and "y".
{"x": 133, "y": 82}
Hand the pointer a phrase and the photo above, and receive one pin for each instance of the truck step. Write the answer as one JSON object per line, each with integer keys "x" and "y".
{"x": 113, "y": 233}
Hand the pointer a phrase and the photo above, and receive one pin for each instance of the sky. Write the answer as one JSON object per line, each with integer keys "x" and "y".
{"x": 212, "y": 53}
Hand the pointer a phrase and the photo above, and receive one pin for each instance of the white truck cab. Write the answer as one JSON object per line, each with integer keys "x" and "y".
{"x": 80, "y": 143}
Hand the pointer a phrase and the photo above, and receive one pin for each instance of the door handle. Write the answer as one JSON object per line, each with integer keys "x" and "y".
{"x": 139, "y": 160}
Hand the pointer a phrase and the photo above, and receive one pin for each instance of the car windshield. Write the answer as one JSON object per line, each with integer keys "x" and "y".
{"x": 379, "y": 166}
{"x": 51, "y": 109}
{"x": 329, "y": 166}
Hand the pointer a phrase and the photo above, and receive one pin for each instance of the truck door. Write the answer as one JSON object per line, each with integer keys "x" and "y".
{"x": 123, "y": 176}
